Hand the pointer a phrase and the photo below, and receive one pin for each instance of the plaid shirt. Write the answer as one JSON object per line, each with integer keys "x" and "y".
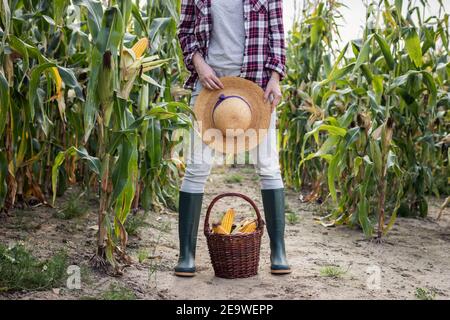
{"x": 264, "y": 40}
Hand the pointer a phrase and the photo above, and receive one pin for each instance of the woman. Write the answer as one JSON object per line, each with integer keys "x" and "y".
{"x": 242, "y": 38}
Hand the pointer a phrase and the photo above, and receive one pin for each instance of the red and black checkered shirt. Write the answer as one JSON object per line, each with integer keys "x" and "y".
{"x": 264, "y": 38}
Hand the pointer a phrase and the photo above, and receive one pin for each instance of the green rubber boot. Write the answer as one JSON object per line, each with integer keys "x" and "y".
{"x": 273, "y": 202}
{"x": 190, "y": 205}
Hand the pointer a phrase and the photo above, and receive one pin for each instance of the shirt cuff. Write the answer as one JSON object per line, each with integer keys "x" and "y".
{"x": 275, "y": 65}
{"x": 188, "y": 61}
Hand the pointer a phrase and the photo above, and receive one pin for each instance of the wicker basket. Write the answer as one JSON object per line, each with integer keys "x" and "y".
{"x": 236, "y": 255}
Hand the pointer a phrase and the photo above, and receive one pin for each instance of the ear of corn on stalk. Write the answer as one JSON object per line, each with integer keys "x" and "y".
{"x": 134, "y": 63}
{"x": 140, "y": 47}
{"x": 106, "y": 86}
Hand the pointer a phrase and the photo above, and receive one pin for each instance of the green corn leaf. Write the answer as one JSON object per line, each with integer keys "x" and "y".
{"x": 318, "y": 25}
{"x": 137, "y": 15}
{"x": 363, "y": 216}
{"x": 352, "y": 136}
{"x": 59, "y": 9}
{"x": 112, "y": 31}
{"x": 34, "y": 98}
{"x": 338, "y": 74}
{"x": 19, "y": 46}
{"x": 92, "y": 101}
{"x": 69, "y": 79}
{"x": 367, "y": 73}
{"x": 393, "y": 217}
{"x": 55, "y": 172}
{"x": 158, "y": 26}
{"x": 384, "y": 46}
{"x": 410, "y": 101}
{"x": 357, "y": 162}
{"x": 401, "y": 80}
{"x": 4, "y": 103}
{"x": 154, "y": 151}
{"x": 324, "y": 150}
{"x": 125, "y": 9}
{"x": 34, "y": 95}
{"x": 432, "y": 88}
{"x": 346, "y": 119}
{"x": 376, "y": 156}
{"x": 152, "y": 81}
{"x": 6, "y": 20}
{"x": 332, "y": 173}
{"x": 120, "y": 172}
{"x": 412, "y": 43}
{"x": 363, "y": 55}
{"x": 93, "y": 164}
{"x": 399, "y": 7}
{"x": 333, "y": 130}
{"x": 95, "y": 14}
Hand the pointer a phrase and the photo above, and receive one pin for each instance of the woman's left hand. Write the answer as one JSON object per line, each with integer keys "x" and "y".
{"x": 273, "y": 90}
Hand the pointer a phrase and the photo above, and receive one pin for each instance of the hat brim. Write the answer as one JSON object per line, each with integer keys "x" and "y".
{"x": 259, "y": 125}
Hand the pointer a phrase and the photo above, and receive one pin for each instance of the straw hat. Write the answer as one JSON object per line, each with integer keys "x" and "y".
{"x": 233, "y": 119}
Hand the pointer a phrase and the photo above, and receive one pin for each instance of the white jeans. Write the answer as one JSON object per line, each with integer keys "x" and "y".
{"x": 200, "y": 157}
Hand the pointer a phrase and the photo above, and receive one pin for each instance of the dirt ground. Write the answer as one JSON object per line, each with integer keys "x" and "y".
{"x": 415, "y": 254}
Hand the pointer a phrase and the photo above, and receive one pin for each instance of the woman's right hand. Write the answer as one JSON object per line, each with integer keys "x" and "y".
{"x": 206, "y": 74}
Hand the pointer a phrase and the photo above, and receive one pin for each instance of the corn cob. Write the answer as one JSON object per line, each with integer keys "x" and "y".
{"x": 106, "y": 86}
{"x": 227, "y": 220}
{"x": 241, "y": 226}
{"x": 140, "y": 47}
{"x": 218, "y": 229}
{"x": 248, "y": 227}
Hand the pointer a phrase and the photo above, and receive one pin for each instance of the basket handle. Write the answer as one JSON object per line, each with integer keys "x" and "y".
{"x": 207, "y": 230}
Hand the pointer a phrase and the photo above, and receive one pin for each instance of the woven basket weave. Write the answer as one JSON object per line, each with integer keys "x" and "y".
{"x": 236, "y": 255}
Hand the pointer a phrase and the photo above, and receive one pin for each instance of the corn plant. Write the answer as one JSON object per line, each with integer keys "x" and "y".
{"x": 35, "y": 82}
{"x": 311, "y": 39}
{"x": 109, "y": 110}
{"x": 82, "y": 80}
{"x": 375, "y": 121}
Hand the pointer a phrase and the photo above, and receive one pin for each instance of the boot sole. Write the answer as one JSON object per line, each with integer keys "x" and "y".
{"x": 185, "y": 274}
{"x": 280, "y": 272}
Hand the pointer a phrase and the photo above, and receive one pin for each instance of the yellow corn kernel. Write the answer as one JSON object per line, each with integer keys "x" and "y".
{"x": 227, "y": 220}
{"x": 243, "y": 224}
{"x": 251, "y": 227}
{"x": 248, "y": 227}
{"x": 218, "y": 229}
{"x": 140, "y": 47}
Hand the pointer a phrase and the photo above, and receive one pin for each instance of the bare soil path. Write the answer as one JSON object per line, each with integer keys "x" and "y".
{"x": 327, "y": 263}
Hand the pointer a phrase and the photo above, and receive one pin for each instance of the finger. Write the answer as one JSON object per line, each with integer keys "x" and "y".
{"x": 267, "y": 94}
{"x": 217, "y": 82}
{"x": 206, "y": 85}
{"x": 213, "y": 85}
{"x": 276, "y": 100}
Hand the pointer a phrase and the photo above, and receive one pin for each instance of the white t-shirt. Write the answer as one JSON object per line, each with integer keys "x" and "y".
{"x": 227, "y": 41}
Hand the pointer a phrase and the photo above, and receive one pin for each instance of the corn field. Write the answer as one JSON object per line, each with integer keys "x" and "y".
{"x": 87, "y": 97}
{"x": 367, "y": 126}
{"x": 90, "y": 95}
